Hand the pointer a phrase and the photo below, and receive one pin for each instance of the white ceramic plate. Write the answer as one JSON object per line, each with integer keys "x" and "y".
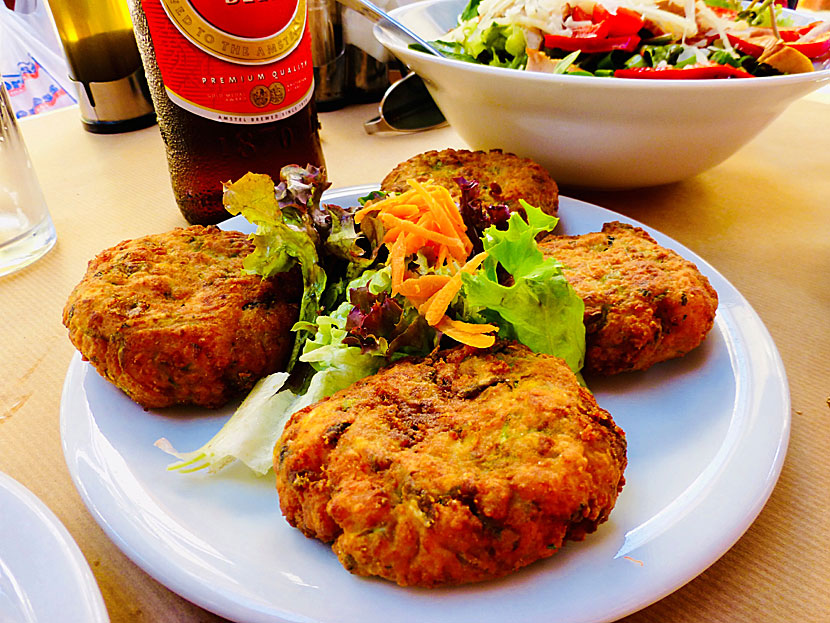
{"x": 707, "y": 435}
{"x": 43, "y": 575}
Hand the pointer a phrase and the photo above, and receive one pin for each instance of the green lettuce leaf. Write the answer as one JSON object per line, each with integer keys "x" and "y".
{"x": 294, "y": 227}
{"x": 255, "y": 427}
{"x": 470, "y": 11}
{"x": 498, "y": 45}
{"x": 283, "y": 239}
{"x": 538, "y": 307}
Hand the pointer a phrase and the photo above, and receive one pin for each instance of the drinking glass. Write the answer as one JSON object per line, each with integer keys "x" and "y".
{"x": 26, "y": 229}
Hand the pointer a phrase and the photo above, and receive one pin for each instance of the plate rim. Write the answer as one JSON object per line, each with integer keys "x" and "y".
{"x": 85, "y": 591}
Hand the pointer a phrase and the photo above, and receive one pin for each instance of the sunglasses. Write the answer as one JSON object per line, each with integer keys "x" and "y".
{"x": 406, "y": 106}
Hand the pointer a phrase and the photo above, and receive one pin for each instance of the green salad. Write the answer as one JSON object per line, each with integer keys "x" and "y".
{"x": 662, "y": 39}
{"x": 397, "y": 276}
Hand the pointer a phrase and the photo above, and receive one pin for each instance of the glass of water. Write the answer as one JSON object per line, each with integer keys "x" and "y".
{"x": 26, "y": 229}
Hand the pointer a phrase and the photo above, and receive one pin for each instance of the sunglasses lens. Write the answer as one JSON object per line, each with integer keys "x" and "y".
{"x": 408, "y": 106}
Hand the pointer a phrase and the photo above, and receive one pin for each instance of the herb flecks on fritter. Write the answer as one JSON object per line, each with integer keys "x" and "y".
{"x": 172, "y": 318}
{"x": 643, "y": 303}
{"x": 459, "y": 467}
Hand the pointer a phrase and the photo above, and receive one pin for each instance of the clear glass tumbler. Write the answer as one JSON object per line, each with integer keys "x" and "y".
{"x": 26, "y": 229}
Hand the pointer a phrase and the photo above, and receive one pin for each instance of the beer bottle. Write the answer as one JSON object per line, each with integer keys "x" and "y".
{"x": 233, "y": 87}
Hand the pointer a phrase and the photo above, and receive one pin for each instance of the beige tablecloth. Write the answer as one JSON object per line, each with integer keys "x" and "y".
{"x": 762, "y": 218}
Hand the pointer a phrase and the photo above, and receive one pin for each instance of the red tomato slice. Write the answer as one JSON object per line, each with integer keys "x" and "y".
{"x": 580, "y": 15}
{"x": 695, "y": 72}
{"x": 747, "y": 46}
{"x": 592, "y": 44}
{"x": 814, "y": 48}
{"x": 625, "y": 22}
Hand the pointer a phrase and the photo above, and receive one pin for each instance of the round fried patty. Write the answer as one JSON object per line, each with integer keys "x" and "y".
{"x": 171, "y": 318}
{"x": 459, "y": 467}
{"x": 503, "y": 178}
{"x": 643, "y": 303}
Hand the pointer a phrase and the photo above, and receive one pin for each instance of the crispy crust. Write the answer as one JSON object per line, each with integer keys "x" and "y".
{"x": 502, "y": 177}
{"x": 643, "y": 303}
{"x": 171, "y": 318}
{"x": 456, "y": 468}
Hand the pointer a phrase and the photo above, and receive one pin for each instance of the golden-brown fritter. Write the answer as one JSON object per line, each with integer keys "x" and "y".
{"x": 643, "y": 303}
{"x": 459, "y": 467}
{"x": 502, "y": 177}
{"x": 171, "y": 318}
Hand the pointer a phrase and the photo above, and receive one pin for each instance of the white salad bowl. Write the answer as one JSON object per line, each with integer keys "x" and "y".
{"x": 593, "y": 132}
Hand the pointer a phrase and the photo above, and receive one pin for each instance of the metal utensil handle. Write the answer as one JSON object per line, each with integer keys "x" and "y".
{"x": 377, "y": 15}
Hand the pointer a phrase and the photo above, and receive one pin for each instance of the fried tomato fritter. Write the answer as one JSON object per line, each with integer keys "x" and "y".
{"x": 502, "y": 177}
{"x": 171, "y": 319}
{"x": 643, "y": 303}
{"x": 459, "y": 467}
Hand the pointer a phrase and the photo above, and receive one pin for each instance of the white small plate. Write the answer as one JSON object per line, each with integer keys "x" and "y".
{"x": 707, "y": 435}
{"x": 44, "y": 577}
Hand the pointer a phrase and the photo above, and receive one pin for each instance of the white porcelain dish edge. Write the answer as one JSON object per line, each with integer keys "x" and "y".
{"x": 43, "y": 574}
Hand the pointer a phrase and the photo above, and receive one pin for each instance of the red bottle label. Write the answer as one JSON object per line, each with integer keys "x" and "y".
{"x": 236, "y": 61}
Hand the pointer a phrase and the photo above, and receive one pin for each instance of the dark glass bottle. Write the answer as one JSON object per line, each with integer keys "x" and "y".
{"x": 232, "y": 84}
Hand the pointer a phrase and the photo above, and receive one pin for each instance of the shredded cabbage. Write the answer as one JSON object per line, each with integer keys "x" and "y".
{"x": 547, "y": 16}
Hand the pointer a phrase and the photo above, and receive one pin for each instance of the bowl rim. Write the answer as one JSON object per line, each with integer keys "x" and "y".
{"x": 391, "y": 40}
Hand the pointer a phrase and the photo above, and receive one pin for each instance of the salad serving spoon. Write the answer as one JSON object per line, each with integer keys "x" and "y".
{"x": 378, "y": 15}
{"x": 406, "y": 106}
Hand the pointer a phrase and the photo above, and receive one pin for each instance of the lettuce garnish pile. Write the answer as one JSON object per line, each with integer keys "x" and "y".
{"x": 394, "y": 278}
{"x": 295, "y": 228}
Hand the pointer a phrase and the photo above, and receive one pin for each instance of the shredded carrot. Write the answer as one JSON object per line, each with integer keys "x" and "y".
{"x": 391, "y": 235}
{"x": 439, "y": 304}
{"x": 432, "y": 201}
{"x": 397, "y": 260}
{"x": 477, "y": 335}
{"x": 455, "y": 246}
{"x": 441, "y": 301}
{"x": 426, "y": 218}
{"x": 405, "y": 210}
{"x": 424, "y": 286}
{"x": 424, "y": 307}
{"x": 442, "y": 215}
{"x": 441, "y": 260}
{"x": 472, "y": 265}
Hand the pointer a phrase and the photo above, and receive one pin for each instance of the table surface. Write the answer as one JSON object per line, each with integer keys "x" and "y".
{"x": 761, "y": 218}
